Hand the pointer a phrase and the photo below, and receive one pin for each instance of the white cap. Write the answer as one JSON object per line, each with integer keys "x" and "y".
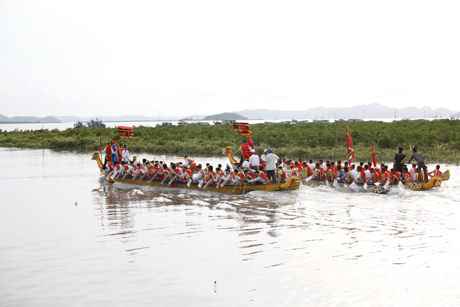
{"x": 253, "y": 150}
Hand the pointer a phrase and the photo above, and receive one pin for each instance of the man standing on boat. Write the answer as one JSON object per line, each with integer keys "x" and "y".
{"x": 114, "y": 151}
{"x": 254, "y": 160}
{"x": 271, "y": 165}
{"x": 244, "y": 149}
{"x": 399, "y": 160}
{"x": 263, "y": 159}
{"x": 108, "y": 154}
{"x": 125, "y": 154}
{"x": 190, "y": 163}
{"x": 420, "y": 163}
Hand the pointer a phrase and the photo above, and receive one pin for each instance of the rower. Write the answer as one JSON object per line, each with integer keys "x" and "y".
{"x": 367, "y": 171}
{"x": 354, "y": 172}
{"x": 436, "y": 173}
{"x": 187, "y": 174}
{"x": 395, "y": 176}
{"x": 361, "y": 175}
{"x": 406, "y": 176}
{"x": 261, "y": 177}
{"x": 200, "y": 173}
{"x": 340, "y": 174}
{"x": 281, "y": 174}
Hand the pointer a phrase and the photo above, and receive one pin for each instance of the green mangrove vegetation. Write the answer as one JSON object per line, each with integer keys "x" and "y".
{"x": 438, "y": 141}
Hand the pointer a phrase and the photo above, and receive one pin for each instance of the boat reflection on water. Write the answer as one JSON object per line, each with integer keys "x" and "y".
{"x": 119, "y": 203}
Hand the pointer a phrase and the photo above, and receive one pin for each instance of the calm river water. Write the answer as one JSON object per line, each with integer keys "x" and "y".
{"x": 69, "y": 239}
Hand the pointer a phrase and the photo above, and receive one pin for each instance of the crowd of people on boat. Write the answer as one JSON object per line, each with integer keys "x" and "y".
{"x": 266, "y": 169}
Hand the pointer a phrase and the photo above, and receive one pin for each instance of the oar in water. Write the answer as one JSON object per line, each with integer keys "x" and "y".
{"x": 171, "y": 181}
{"x": 143, "y": 176}
{"x": 218, "y": 183}
{"x": 387, "y": 185}
{"x": 235, "y": 187}
{"x": 244, "y": 187}
{"x": 206, "y": 186}
{"x": 164, "y": 179}
{"x": 365, "y": 186}
{"x": 224, "y": 183}
{"x": 400, "y": 185}
{"x": 327, "y": 182}
{"x": 200, "y": 184}
{"x": 189, "y": 182}
{"x": 336, "y": 184}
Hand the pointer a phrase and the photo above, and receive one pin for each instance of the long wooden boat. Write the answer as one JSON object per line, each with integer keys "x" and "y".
{"x": 435, "y": 182}
{"x": 292, "y": 184}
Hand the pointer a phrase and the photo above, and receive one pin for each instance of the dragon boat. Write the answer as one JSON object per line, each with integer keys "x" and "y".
{"x": 435, "y": 182}
{"x": 292, "y": 184}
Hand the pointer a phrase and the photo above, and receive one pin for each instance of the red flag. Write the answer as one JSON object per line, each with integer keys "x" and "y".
{"x": 242, "y": 128}
{"x": 373, "y": 156}
{"x": 351, "y": 153}
{"x": 126, "y": 132}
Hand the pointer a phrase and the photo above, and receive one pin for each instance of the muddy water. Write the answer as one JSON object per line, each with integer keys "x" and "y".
{"x": 68, "y": 238}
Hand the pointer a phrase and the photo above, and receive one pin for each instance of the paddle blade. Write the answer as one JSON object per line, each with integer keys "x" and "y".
{"x": 336, "y": 184}
{"x": 387, "y": 185}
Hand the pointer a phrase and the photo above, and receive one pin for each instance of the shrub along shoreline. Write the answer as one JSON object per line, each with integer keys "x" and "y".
{"x": 438, "y": 141}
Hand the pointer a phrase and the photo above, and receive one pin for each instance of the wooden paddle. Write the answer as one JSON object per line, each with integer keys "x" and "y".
{"x": 171, "y": 181}
{"x": 224, "y": 183}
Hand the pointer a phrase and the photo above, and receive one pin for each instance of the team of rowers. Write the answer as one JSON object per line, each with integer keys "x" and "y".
{"x": 256, "y": 173}
{"x": 366, "y": 173}
{"x": 188, "y": 171}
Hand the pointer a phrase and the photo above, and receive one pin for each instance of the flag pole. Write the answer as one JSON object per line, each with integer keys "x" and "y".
{"x": 335, "y": 149}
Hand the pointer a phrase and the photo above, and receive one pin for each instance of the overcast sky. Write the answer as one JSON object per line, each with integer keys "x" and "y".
{"x": 85, "y": 58}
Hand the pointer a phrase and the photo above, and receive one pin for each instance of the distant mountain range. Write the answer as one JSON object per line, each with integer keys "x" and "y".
{"x": 28, "y": 119}
{"x": 370, "y": 111}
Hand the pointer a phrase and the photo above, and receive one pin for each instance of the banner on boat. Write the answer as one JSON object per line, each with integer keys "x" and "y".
{"x": 242, "y": 128}
{"x": 126, "y": 132}
{"x": 351, "y": 153}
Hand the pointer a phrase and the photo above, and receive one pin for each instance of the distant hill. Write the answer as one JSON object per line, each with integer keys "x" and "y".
{"x": 29, "y": 119}
{"x": 224, "y": 116}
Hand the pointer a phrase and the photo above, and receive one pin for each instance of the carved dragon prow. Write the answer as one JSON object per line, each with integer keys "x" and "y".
{"x": 290, "y": 182}
{"x": 97, "y": 156}
{"x": 228, "y": 152}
